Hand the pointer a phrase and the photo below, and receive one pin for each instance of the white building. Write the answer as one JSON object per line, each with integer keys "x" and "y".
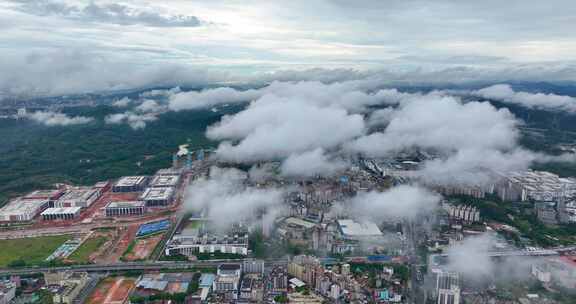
{"x": 125, "y": 208}
{"x": 165, "y": 181}
{"x": 51, "y": 195}
{"x": 227, "y": 280}
{"x": 192, "y": 245}
{"x": 20, "y": 210}
{"x": 157, "y": 196}
{"x": 78, "y": 197}
{"x": 253, "y": 266}
{"x": 464, "y": 213}
{"x": 448, "y": 288}
{"x": 130, "y": 184}
{"x": 63, "y": 213}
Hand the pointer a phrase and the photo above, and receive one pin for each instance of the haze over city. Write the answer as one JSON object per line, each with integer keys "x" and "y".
{"x": 326, "y": 151}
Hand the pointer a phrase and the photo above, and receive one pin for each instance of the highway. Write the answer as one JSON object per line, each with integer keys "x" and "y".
{"x": 151, "y": 265}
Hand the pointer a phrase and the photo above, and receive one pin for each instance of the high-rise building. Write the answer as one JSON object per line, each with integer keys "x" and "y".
{"x": 448, "y": 288}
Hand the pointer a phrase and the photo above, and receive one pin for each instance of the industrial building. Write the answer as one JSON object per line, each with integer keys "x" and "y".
{"x": 169, "y": 171}
{"x": 157, "y": 196}
{"x": 63, "y": 213}
{"x": 163, "y": 283}
{"x": 103, "y": 186}
{"x": 78, "y": 197}
{"x": 50, "y": 195}
{"x": 165, "y": 181}
{"x": 20, "y": 210}
{"x": 351, "y": 229}
{"x": 130, "y": 184}
{"x": 192, "y": 244}
{"x": 125, "y": 208}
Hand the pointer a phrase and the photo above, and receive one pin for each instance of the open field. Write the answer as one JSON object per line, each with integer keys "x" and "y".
{"x": 30, "y": 250}
{"x": 112, "y": 290}
{"x": 91, "y": 245}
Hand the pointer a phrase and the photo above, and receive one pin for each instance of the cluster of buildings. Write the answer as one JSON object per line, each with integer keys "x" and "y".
{"x": 465, "y": 214}
{"x": 66, "y": 287}
{"x": 556, "y": 271}
{"x": 338, "y": 284}
{"x": 7, "y": 291}
{"x": 234, "y": 283}
{"x": 56, "y": 204}
{"x": 156, "y": 191}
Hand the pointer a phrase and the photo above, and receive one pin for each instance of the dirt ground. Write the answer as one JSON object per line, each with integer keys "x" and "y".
{"x": 112, "y": 291}
{"x": 143, "y": 248}
{"x": 127, "y": 234}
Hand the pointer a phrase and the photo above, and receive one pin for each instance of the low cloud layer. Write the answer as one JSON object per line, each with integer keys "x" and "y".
{"x": 111, "y": 13}
{"x": 311, "y": 163}
{"x": 57, "y": 119}
{"x": 275, "y": 127}
{"x": 193, "y": 100}
{"x": 542, "y": 101}
{"x": 403, "y": 201}
{"x": 226, "y": 200}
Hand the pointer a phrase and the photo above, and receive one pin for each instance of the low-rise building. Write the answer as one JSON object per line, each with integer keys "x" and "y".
{"x": 161, "y": 196}
{"x": 154, "y": 283}
{"x": 78, "y": 197}
{"x": 128, "y": 208}
{"x": 190, "y": 245}
{"x": 50, "y": 195}
{"x": 165, "y": 181}
{"x": 64, "y": 213}
{"x": 130, "y": 184}
{"x": 69, "y": 286}
{"x": 22, "y": 210}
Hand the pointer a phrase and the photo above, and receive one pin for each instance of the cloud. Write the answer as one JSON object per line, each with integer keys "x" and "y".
{"x": 471, "y": 257}
{"x": 275, "y": 127}
{"x": 149, "y": 106}
{"x": 403, "y": 201}
{"x": 57, "y": 119}
{"x": 209, "y": 97}
{"x": 311, "y": 163}
{"x": 134, "y": 120}
{"x": 505, "y": 93}
{"x": 122, "y": 102}
{"x": 71, "y": 71}
{"x": 442, "y": 123}
{"x": 226, "y": 200}
{"x": 111, "y": 13}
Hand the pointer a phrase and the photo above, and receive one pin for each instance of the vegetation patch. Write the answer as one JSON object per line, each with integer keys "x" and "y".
{"x": 82, "y": 254}
{"x": 29, "y": 251}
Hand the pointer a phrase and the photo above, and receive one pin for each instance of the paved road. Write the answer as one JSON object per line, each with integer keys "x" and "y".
{"x": 155, "y": 265}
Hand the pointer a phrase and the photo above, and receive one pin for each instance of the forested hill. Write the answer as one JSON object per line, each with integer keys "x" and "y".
{"x": 34, "y": 156}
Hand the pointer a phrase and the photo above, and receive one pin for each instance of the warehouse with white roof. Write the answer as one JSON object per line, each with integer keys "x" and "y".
{"x": 130, "y": 184}
{"x": 65, "y": 213}
{"x": 21, "y": 210}
{"x": 158, "y": 196}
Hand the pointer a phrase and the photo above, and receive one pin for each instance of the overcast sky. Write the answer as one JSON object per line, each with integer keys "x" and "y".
{"x": 94, "y": 42}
